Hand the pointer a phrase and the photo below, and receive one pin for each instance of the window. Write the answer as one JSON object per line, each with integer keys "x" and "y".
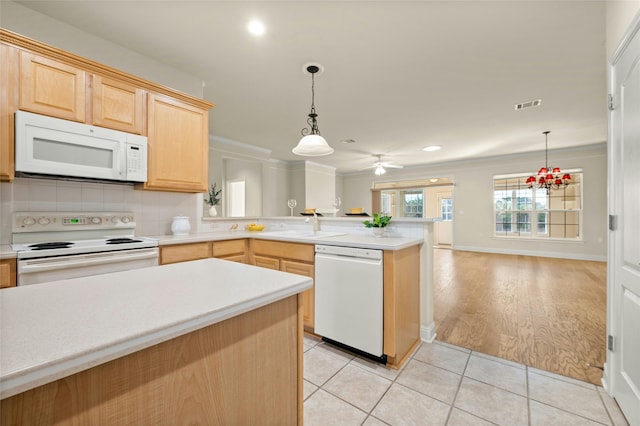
{"x": 523, "y": 212}
{"x": 446, "y": 209}
{"x": 412, "y": 202}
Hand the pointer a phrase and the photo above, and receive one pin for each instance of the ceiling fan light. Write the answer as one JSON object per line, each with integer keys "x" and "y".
{"x": 312, "y": 146}
{"x": 380, "y": 171}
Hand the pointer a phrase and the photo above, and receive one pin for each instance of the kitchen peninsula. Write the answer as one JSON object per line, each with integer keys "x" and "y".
{"x": 204, "y": 342}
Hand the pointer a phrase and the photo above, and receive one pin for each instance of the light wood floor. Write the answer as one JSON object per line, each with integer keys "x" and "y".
{"x": 546, "y": 313}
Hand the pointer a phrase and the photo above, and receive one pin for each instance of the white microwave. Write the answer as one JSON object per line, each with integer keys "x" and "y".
{"x": 53, "y": 147}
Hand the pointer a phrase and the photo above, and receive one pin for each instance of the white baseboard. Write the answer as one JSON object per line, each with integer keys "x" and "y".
{"x": 557, "y": 255}
{"x": 428, "y": 333}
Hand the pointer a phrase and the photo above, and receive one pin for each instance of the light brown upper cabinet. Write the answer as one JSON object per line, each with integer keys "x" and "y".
{"x": 51, "y": 87}
{"x": 178, "y": 145}
{"x": 8, "y": 101}
{"x": 46, "y": 80}
{"x": 118, "y": 105}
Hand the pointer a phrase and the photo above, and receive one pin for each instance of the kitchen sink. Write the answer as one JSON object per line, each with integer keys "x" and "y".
{"x": 306, "y": 234}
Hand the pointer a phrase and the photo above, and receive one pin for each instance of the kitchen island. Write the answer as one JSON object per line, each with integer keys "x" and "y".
{"x": 202, "y": 342}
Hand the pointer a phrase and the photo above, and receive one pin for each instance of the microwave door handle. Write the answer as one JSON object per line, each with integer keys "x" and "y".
{"x": 68, "y": 263}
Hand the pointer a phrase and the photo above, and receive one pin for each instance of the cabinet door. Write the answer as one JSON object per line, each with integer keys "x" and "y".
{"x": 266, "y": 262}
{"x": 308, "y": 299}
{"x": 118, "y": 105}
{"x": 178, "y": 145}
{"x": 184, "y": 252}
{"x": 8, "y": 105}
{"x": 52, "y": 88}
{"x": 7, "y": 273}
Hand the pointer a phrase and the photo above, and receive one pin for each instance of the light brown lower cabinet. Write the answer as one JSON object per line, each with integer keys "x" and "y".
{"x": 246, "y": 370}
{"x": 7, "y": 273}
{"x": 294, "y": 258}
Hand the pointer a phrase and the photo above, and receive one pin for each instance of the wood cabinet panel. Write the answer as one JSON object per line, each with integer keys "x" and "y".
{"x": 243, "y": 371}
{"x": 178, "y": 145}
{"x": 52, "y": 88}
{"x": 266, "y": 262}
{"x": 184, "y": 252}
{"x": 284, "y": 250}
{"x": 7, "y": 273}
{"x": 229, "y": 247}
{"x": 240, "y": 258}
{"x": 9, "y": 60}
{"x": 308, "y": 296}
{"x": 118, "y": 105}
{"x": 401, "y": 303}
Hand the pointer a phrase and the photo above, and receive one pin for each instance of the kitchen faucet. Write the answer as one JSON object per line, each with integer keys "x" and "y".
{"x": 316, "y": 222}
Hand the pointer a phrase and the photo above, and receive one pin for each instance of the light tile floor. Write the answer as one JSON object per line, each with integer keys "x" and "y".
{"x": 443, "y": 384}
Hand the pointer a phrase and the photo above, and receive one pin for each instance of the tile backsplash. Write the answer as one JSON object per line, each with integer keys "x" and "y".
{"x": 153, "y": 210}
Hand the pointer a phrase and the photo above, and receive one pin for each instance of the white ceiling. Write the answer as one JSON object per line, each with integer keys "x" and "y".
{"x": 398, "y": 75}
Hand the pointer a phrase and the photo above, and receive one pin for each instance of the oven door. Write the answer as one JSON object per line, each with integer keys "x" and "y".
{"x": 34, "y": 271}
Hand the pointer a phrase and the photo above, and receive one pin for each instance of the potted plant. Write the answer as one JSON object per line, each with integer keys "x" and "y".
{"x": 213, "y": 200}
{"x": 378, "y": 223}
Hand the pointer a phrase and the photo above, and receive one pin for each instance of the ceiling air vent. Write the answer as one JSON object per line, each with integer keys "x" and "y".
{"x": 529, "y": 104}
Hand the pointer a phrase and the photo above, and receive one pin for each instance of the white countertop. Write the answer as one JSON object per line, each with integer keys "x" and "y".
{"x": 56, "y": 329}
{"x": 6, "y": 252}
{"x": 347, "y": 240}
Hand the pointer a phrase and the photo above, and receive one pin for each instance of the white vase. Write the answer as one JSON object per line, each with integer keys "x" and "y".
{"x": 213, "y": 212}
{"x": 377, "y": 232}
{"x": 180, "y": 225}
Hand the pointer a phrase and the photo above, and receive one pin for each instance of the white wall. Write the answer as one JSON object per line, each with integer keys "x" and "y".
{"x": 24, "y": 21}
{"x": 618, "y": 18}
{"x": 320, "y": 184}
{"x": 473, "y": 200}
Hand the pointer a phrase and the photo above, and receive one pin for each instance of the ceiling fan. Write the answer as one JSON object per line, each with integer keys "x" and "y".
{"x": 380, "y": 166}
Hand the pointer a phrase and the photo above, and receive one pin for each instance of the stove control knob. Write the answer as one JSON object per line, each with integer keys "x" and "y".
{"x": 28, "y": 221}
{"x": 126, "y": 219}
{"x": 114, "y": 219}
{"x": 44, "y": 221}
{"x": 95, "y": 220}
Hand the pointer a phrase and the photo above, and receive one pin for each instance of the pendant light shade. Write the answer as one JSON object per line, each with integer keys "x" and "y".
{"x": 312, "y": 144}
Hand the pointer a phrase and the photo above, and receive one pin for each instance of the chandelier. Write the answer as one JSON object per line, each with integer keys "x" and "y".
{"x": 312, "y": 144}
{"x": 548, "y": 178}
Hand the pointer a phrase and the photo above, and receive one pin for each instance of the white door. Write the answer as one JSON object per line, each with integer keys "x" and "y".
{"x": 624, "y": 240}
{"x": 444, "y": 228}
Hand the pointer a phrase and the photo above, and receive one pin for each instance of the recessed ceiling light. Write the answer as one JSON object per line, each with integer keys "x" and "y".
{"x": 433, "y": 180}
{"x": 256, "y": 28}
{"x": 432, "y": 148}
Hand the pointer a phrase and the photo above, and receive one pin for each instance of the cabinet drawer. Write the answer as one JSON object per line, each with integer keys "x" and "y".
{"x": 226, "y": 248}
{"x": 184, "y": 252}
{"x": 284, "y": 250}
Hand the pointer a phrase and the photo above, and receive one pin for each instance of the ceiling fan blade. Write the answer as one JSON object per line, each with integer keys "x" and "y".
{"x": 392, "y": 166}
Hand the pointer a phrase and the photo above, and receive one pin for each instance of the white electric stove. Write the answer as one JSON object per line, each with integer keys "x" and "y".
{"x": 60, "y": 245}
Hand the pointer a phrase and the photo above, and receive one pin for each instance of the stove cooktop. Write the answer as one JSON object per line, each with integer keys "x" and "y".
{"x": 45, "y": 234}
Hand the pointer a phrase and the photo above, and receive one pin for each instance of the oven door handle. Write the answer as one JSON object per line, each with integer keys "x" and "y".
{"x": 41, "y": 265}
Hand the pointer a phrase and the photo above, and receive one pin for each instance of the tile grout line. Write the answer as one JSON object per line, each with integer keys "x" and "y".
{"x": 451, "y": 406}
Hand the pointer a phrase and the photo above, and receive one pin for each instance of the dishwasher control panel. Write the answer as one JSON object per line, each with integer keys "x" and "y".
{"x": 363, "y": 253}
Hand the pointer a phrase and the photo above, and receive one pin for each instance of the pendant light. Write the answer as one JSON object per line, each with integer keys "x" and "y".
{"x": 548, "y": 178}
{"x": 312, "y": 144}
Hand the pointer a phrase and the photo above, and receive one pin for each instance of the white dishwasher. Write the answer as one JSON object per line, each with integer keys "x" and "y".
{"x": 349, "y": 298}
